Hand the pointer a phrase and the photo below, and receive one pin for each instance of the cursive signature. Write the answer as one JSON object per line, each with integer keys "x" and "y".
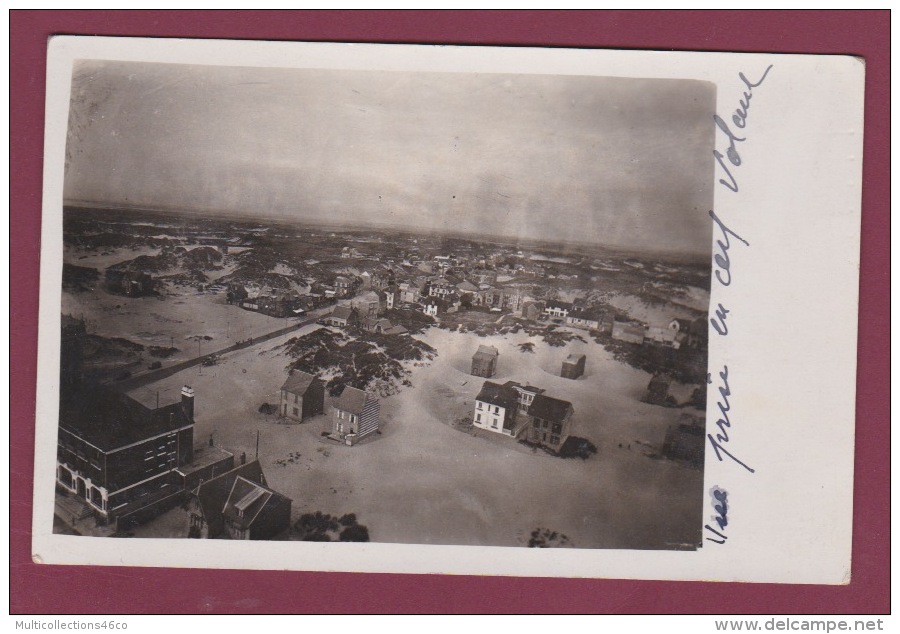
{"x": 720, "y": 519}
{"x": 739, "y": 119}
{"x": 724, "y": 423}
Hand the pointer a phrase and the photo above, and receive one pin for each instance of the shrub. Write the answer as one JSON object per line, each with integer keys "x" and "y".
{"x": 355, "y": 533}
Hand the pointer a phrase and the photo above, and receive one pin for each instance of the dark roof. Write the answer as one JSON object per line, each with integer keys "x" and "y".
{"x": 298, "y": 382}
{"x": 486, "y": 352}
{"x": 108, "y": 419}
{"x": 213, "y": 494}
{"x": 555, "y": 303}
{"x": 549, "y": 408}
{"x": 590, "y": 312}
{"x": 341, "y": 312}
{"x": 351, "y": 400}
{"x": 574, "y": 358}
{"x": 496, "y": 394}
{"x": 246, "y": 500}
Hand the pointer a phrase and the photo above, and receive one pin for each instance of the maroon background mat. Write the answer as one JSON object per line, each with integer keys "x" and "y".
{"x": 58, "y": 589}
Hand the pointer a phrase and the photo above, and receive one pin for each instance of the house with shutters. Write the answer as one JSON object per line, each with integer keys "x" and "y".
{"x": 302, "y": 396}
{"x": 355, "y": 416}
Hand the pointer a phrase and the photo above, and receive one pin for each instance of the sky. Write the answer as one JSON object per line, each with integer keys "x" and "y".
{"x": 625, "y": 163}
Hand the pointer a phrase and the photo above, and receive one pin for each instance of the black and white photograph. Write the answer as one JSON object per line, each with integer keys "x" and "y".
{"x": 448, "y": 310}
{"x": 404, "y": 307}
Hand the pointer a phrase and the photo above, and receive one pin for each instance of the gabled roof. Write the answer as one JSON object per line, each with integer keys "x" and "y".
{"x": 247, "y": 499}
{"x": 549, "y": 408}
{"x": 298, "y": 382}
{"x": 213, "y": 494}
{"x": 351, "y": 400}
{"x": 108, "y": 419}
{"x": 496, "y": 394}
{"x": 467, "y": 287}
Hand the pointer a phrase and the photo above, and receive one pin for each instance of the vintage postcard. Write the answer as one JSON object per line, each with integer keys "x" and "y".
{"x": 536, "y": 312}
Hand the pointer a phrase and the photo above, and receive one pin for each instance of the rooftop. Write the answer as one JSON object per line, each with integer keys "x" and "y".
{"x": 496, "y": 394}
{"x": 487, "y": 351}
{"x": 298, "y": 382}
{"x": 108, "y": 419}
{"x": 204, "y": 456}
{"x": 549, "y": 408}
{"x": 351, "y": 400}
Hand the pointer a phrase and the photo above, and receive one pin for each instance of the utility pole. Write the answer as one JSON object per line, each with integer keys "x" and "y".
{"x": 257, "y": 444}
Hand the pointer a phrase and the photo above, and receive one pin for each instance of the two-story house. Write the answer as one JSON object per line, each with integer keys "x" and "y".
{"x": 356, "y": 415}
{"x": 302, "y": 396}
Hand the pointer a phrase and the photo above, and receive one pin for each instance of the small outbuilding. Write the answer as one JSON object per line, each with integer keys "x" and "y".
{"x": 573, "y": 366}
{"x": 484, "y": 361}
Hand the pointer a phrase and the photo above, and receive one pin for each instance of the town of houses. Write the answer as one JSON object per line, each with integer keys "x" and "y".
{"x": 125, "y": 463}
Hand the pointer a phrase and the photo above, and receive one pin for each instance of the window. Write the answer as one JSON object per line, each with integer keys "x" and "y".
{"x": 557, "y": 428}
{"x": 496, "y": 410}
{"x": 477, "y": 418}
{"x": 494, "y": 424}
{"x": 554, "y": 440}
{"x": 296, "y": 399}
{"x": 479, "y": 405}
{"x": 296, "y": 412}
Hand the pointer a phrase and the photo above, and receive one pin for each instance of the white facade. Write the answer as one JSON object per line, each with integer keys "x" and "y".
{"x": 490, "y": 417}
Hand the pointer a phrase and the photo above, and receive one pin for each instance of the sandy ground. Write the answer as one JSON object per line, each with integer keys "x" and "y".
{"x": 423, "y": 480}
{"x": 175, "y": 318}
{"x": 655, "y": 314}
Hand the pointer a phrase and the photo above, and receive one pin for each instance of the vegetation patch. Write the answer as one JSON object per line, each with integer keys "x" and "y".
{"x": 161, "y": 352}
{"x": 371, "y": 362}
{"x": 324, "y": 527}
{"x": 576, "y": 447}
{"x": 546, "y": 538}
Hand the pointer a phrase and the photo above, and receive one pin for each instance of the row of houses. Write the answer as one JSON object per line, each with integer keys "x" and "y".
{"x": 355, "y": 413}
{"x": 516, "y": 410}
{"x": 676, "y": 334}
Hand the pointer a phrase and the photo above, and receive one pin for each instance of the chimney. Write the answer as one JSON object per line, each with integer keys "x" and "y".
{"x": 187, "y": 401}
{"x": 243, "y": 457}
